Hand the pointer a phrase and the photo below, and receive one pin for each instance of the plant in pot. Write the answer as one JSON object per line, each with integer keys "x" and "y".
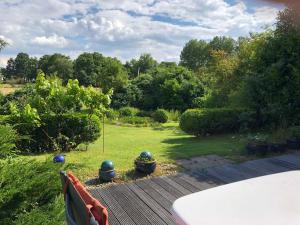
{"x": 145, "y": 163}
{"x": 293, "y": 142}
{"x": 257, "y": 144}
{"x": 277, "y": 141}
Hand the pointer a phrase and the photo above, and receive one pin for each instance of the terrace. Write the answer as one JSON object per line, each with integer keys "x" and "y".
{"x": 149, "y": 201}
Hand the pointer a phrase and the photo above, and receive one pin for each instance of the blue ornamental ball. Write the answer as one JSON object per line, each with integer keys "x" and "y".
{"x": 146, "y": 155}
{"x": 59, "y": 159}
{"x": 107, "y": 165}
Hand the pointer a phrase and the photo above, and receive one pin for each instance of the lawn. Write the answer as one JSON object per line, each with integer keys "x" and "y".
{"x": 167, "y": 143}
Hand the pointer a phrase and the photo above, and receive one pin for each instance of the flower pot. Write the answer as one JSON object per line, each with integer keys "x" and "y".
{"x": 293, "y": 143}
{"x": 145, "y": 167}
{"x": 277, "y": 147}
{"x": 260, "y": 149}
{"x": 107, "y": 175}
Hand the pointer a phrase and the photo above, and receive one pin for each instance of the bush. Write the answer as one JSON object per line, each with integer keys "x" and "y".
{"x": 58, "y": 132}
{"x": 8, "y": 138}
{"x": 210, "y": 121}
{"x": 135, "y": 120}
{"x": 144, "y": 113}
{"x": 29, "y": 192}
{"x": 112, "y": 114}
{"x": 174, "y": 115}
{"x": 128, "y": 111}
{"x": 160, "y": 116}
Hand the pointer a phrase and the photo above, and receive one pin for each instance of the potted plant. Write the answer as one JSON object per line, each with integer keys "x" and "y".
{"x": 107, "y": 171}
{"x": 294, "y": 141}
{"x": 145, "y": 163}
{"x": 257, "y": 145}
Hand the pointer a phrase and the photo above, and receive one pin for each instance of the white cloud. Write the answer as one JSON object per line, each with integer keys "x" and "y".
{"x": 51, "y": 41}
{"x": 124, "y": 28}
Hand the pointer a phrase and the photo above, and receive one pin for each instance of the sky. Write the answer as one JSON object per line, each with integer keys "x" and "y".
{"x": 125, "y": 28}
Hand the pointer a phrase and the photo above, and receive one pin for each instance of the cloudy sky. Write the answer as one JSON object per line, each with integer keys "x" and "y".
{"x": 124, "y": 28}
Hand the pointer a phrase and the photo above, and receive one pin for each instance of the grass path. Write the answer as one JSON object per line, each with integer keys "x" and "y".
{"x": 168, "y": 143}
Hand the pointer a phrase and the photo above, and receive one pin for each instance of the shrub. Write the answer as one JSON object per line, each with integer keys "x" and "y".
{"x": 135, "y": 120}
{"x": 128, "y": 111}
{"x": 144, "y": 113}
{"x": 29, "y": 192}
{"x": 174, "y": 115}
{"x": 58, "y": 132}
{"x": 160, "y": 116}
{"x": 8, "y": 138}
{"x": 112, "y": 114}
{"x": 210, "y": 121}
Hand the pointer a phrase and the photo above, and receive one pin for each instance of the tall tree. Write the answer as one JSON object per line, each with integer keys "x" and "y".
{"x": 145, "y": 63}
{"x": 222, "y": 43}
{"x": 3, "y": 43}
{"x": 194, "y": 54}
{"x": 57, "y": 64}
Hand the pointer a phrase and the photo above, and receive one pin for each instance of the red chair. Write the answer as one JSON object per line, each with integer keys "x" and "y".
{"x": 81, "y": 207}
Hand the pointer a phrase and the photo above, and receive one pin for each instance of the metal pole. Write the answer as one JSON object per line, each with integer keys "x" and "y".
{"x": 103, "y": 132}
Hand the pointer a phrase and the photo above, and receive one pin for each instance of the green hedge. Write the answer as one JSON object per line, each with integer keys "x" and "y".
{"x": 58, "y": 132}
{"x": 210, "y": 121}
{"x": 128, "y": 111}
{"x": 160, "y": 116}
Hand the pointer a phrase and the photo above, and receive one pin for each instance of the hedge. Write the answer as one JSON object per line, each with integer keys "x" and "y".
{"x": 160, "y": 116}
{"x": 58, "y": 132}
{"x": 128, "y": 111}
{"x": 210, "y": 121}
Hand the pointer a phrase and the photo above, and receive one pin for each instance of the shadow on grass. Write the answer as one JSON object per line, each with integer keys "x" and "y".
{"x": 187, "y": 147}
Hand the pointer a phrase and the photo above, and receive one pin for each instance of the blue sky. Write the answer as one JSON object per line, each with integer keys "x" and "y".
{"x": 125, "y": 28}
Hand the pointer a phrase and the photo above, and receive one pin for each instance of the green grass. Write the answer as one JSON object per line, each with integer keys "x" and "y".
{"x": 167, "y": 143}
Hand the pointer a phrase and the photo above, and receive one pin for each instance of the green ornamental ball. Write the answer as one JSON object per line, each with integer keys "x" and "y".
{"x": 146, "y": 155}
{"x": 107, "y": 165}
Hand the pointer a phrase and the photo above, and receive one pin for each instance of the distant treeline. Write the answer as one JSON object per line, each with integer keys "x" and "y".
{"x": 260, "y": 72}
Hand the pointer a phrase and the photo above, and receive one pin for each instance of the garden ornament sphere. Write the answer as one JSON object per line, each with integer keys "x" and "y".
{"x": 107, "y": 165}
{"x": 146, "y": 155}
{"x": 59, "y": 159}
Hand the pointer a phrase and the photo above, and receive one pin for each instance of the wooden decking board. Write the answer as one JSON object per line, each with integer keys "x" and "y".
{"x": 114, "y": 206}
{"x": 166, "y": 186}
{"x": 158, "y": 196}
{"x": 131, "y": 209}
{"x": 142, "y": 206}
{"x": 149, "y": 201}
{"x": 178, "y": 179}
{"x": 111, "y": 215}
{"x": 158, "y": 209}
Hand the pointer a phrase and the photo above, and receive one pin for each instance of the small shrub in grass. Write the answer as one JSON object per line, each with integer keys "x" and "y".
{"x": 144, "y": 113}
{"x": 210, "y": 121}
{"x": 160, "y": 116}
{"x": 128, "y": 111}
{"x": 112, "y": 114}
{"x": 135, "y": 120}
{"x": 8, "y": 138}
{"x": 174, "y": 115}
{"x": 29, "y": 192}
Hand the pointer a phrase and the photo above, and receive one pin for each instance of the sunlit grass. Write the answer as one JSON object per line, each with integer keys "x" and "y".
{"x": 167, "y": 143}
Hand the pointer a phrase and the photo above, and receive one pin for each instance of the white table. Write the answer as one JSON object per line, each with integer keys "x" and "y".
{"x": 266, "y": 200}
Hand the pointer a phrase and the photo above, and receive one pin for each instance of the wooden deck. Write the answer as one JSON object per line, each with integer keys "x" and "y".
{"x": 149, "y": 201}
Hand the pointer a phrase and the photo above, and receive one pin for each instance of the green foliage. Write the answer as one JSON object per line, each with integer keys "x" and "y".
{"x": 57, "y": 132}
{"x": 112, "y": 114}
{"x": 294, "y": 132}
{"x": 57, "y": 64}
{"x": 142, "y": 65}
{"x": 99, "y": 71}
{"x": 160, "y": 116}
{"x": 210, "y": 121}
{"x": 128, "y": 111}
{"x": 136, "y": 120}
{"x": 8, "y": 138}
{"x": 29, "y": 191}
{"x": 2, "y": 44}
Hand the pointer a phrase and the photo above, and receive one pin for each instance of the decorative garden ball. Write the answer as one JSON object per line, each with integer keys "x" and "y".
{"x": 146, "y": 155}
{"x": 107, "y": 172}
{"x": 59, "y": 159}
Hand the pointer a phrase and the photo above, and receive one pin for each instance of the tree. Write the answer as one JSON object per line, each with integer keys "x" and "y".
{"x": 194, "y": 54}
{"x": 10, "y": 69}
{"x": 145, "y": 63}
{"x": 99, "y": 71}
{"x": 2, "y": 44}
{"x": 57, "y": 64}
{"x": 222, "y": 43}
